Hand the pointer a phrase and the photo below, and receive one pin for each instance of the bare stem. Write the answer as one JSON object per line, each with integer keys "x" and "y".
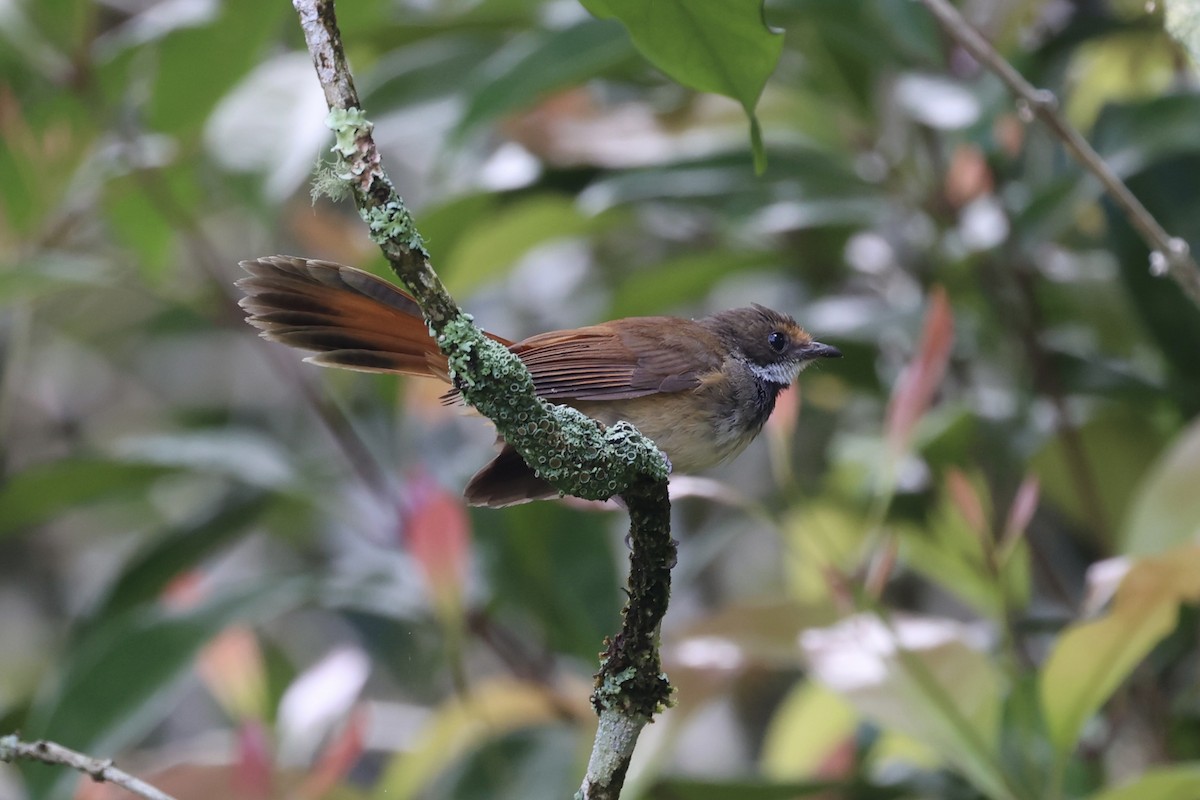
{"x": 13, "y": 749}
{"x": 1169, "y": 255}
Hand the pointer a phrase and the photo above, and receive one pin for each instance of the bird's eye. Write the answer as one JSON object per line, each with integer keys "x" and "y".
{"x": 778, "y": 341}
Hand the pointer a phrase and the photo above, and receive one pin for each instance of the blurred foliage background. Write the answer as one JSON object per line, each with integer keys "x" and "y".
{"x": 960, "y": 563}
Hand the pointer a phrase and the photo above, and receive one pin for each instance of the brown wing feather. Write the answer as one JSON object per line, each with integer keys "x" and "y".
{"x": 635, "y": 358}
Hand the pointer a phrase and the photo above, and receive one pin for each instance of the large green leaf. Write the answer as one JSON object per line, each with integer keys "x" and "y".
{"x": 198, "y": 65}
{"x": 491, "y": 708}
{"x": 39, "y": 493}
{"x": 489, "y": 249}
{"x": 680, "y": 280}
{"x": 553, "y": 566}
{"x": 1116, "y": 448}
{"x": 1166, "y": 508}
{"x": 1180, "y": 782}
{"x": 1091, "y": 659}
{"x": 147, "y": 573}
{"x": 723, "y": 47}
{"x": 537, "y": 63}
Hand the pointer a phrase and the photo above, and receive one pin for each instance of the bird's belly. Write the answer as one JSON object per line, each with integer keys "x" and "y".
{"x": 692, "y": 441}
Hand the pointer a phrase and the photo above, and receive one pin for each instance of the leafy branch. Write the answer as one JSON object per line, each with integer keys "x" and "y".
{"x": 571, "y": 451}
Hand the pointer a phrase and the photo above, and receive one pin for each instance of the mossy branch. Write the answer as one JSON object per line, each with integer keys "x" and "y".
{"x": 574, "y": 453}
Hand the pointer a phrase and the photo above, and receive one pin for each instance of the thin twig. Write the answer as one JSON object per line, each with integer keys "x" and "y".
{"x": 572, "y": 452}
{"x": 12, "y": 749}
{"x": 1169, "y": 255}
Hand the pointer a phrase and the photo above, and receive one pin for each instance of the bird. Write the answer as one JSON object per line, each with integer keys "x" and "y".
{"x": 700, "y": 389}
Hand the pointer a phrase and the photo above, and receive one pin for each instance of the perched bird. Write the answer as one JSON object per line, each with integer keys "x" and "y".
{"x": 700, "y": 389}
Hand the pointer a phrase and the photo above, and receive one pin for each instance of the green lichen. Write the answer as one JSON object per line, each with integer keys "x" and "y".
{"x": 563, "y": 446}
{"x": 328, "y": 182}
{"x": 391, "y": 222}
{"x": 347, "y": 125}
{"x": 613, "y": 687}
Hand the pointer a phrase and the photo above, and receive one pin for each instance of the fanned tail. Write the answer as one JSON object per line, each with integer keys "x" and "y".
{"x": 355, "y": 320}
{"x": 351, "y": 318}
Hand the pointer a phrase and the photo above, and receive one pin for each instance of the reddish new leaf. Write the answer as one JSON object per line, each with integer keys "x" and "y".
{"x": 437, "y": 534}
{"x": 917, "y": 385}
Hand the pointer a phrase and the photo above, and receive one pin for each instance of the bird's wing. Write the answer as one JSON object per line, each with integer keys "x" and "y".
{"x": 622, "y": 360}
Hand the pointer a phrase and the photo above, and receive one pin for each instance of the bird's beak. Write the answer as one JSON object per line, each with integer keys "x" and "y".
{"x": 817, "y": 350}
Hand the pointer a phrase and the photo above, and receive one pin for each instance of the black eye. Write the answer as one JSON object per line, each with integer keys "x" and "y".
{"x": 778, "y": 341}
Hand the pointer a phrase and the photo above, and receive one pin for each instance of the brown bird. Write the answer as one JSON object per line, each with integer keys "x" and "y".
{"x": 700, "y": 389}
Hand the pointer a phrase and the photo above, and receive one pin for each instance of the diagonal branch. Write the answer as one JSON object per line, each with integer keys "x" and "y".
{"x": 1169, "y": 255}
{"x": 573, "y": 452}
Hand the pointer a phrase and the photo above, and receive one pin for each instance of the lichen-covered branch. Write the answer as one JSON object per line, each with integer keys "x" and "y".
{"x": 631, "y": 687}
{"x": 571, "y": 451}
{"x": 1169, "y": 255}
{"x": 12, "y": 749}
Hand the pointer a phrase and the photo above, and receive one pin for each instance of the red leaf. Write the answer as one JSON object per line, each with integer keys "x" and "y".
{"x": 231, "y": 666}
{"x": 437, "y": 534}
{"x": 966, "y": 500}
{"x": 338, "y": 758}
{"x": 916, "y": 387}
{"x": 1021, "y": 511}
{"x": 253, "y": 774}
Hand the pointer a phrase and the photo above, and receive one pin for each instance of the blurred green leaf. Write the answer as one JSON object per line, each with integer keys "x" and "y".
{"x": 116, "y": 683}
{"x": 1117, "y": 447}
{"x": 1165, "y": 510}
{"x": 148, "y": 572}
{"x": 681, "y": 280}
{"x": 248, "y": 457}
{"x": 59, "y": 129}
{"x": 925, "y": 677}
{"x": 489, "y": 248}
{"x": 826, "y": 538}
{"x": 724, "y": 47}
{"x": 1126, "y": 64}
{"x": 950, "y": 552}
{"x": 422, "y": 71}
{"x": 64, "y": 22}
{"x": 227, "y": 47}
{"x": 1183, "y": 23}
{"x": 696, "y": 789}
{"x": 1091, "y": 659}
{"x": 541, "y": 763}
{"x": 1134, "y": 136}
{"x": 533, "y": 65}
{"x": 138, "y": 222}
{"x": 491, "y": 708}
{"x": 443, "y": 226}
{"x": 808, "y": 727}
{"x": 553, "y": 566}
{"x": 40, "y": 493}
{"x": 51, "y": 273}
{"x": 1178, "y": 782}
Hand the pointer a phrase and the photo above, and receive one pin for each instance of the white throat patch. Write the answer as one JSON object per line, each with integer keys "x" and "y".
{"x": 782, "y": 373}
